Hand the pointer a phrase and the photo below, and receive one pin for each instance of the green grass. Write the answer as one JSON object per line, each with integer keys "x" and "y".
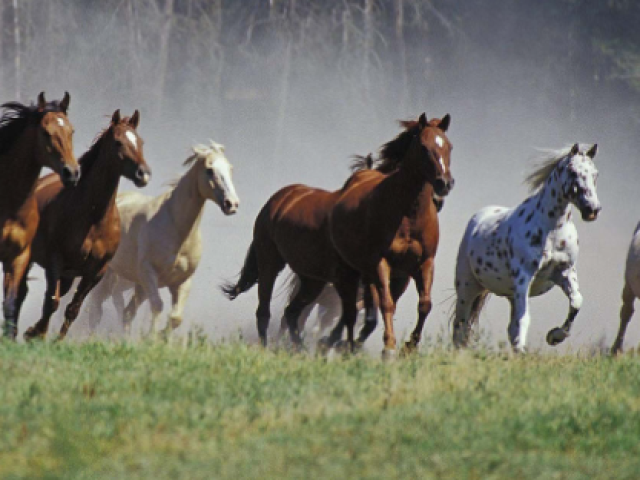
{"x": 109, "y": 410}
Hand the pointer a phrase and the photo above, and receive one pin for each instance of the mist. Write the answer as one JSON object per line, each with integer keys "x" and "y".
{"x": 293, "y": 88}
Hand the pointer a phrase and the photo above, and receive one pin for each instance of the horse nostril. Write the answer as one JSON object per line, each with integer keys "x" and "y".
{"x": 228, "y": 205}
{"x": 439, "y": 186}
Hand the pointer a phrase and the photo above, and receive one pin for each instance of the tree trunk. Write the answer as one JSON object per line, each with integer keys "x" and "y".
{"x": 163, "y": 53}
{"x": 367, "y": 49}
{"x": 402, "y": 57}
{"x": 16, "y": 53}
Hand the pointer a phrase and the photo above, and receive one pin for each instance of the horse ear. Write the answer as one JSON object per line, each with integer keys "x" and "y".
{"x": 574, "y": 150}
{"x": 135, "y": 119}
{"x": 64, "y": 104}
{"x": 42, "y": 103}
{"x": 444, "y": 123}
{"x": 592, "y": 151}
{"x": 422, "y": 121}
{"x": 115, "y": 119}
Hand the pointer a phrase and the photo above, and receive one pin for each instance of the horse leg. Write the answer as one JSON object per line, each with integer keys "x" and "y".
{"x": 468, "y": 294}
{"x": 51, "y": 302}
{"x": 97, "y": 299}
{"x": 179, "y": 295}
{"x": 329, "y": 310}
{"x": 520, "y": 316}
{"x": 14, "y": 273}
{"x": 84, "y": 287}
{"x": 371, "y": 305}
{"x": 307, "y": 294}
{"x": 129, "y": 312}
{"x": 568, "y": 281}
{"x": 423, "y": 280}
{"x": 347, "y": 288}
{"x": 626, "y": 312}
{"x": 387, "y": 307}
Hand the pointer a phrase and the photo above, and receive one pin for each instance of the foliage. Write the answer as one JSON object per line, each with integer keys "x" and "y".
{"x": 116, "y": 410}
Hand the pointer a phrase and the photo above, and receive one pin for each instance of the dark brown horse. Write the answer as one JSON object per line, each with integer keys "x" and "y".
{"x": 341, "y": 236}
{"x": 410, "y": 255}
{"x": 79, "y": 229}
{"x": 31, "y": 137}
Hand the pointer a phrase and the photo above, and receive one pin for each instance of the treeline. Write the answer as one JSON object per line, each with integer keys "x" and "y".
{"x": 215, "y": 58}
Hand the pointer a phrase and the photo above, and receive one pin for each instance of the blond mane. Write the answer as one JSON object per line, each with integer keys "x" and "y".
{"x": 544, "y": 166}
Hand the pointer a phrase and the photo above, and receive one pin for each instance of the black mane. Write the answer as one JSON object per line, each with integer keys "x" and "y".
{"x": 16, "y": 117}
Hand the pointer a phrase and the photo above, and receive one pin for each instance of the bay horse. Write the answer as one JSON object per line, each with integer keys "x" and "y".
{"x": 31, "y": 137}
{"x": 631, "y": 289}
{"x": 161, "y": 242}
{"x": 528, "y": 249}
{"x": 79, "y": 229}
{"x": 341, "y": 236}
{"x": 411, "y": 255}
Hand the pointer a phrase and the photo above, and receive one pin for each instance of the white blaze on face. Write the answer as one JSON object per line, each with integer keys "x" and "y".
{"x": 444, "y": 168}
{"x": 60, "y": 122}
{"x": 132, "y": 138}
{"x": 439, "y": 141}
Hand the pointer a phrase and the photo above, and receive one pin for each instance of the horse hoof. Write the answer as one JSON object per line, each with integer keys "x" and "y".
{"x": 389, "y": 354}
{"x": 32, "y": 334}
{"x": 408, "y": 349}
{"x": 342, "y": 346}
{"x": 10, "y": 331}
{"x": 556, "y": 336}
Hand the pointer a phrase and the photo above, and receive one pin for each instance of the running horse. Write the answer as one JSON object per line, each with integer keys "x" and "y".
{"x": 340, "y": 237}
{"x": 31, "y": 137}
{"x": 79, "y": 230}
{"x": 528, "y": 249}
{"x": 161, "y": 242}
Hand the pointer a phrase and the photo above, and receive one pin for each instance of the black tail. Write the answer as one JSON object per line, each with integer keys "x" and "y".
{"x": 248, "y": 276}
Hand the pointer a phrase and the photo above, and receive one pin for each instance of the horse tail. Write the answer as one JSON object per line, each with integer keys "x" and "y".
{"x": 478, "y": 304}
{"x": 248, "y": 276}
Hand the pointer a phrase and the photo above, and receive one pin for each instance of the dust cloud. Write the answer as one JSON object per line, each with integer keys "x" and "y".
{"x": 508, "y": 90}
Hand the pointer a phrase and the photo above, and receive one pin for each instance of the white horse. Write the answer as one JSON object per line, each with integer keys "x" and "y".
{"x": 631, "y": 289}
{"x": 161, "y": 244}
{"x": 524, "y": 251}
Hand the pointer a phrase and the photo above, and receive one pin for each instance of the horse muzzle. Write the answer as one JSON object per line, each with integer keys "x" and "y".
{"x": 589, "y": 213}
{"x": 141, "y": 177}
{"x": 442, "y": 187}
{"x": 230, "y": 207}
{"x": 70, "y": 175}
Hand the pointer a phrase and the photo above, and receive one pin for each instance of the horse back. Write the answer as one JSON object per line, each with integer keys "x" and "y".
{"x": 293, "y": 222}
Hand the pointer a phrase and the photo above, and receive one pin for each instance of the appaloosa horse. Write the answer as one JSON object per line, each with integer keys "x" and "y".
{"x": 340, "y": 236}
{"x": 526, "y": 250}
{"x": 79, "y": 229}
{"x": 161, "y": 243}
{"x": 31, "y": 137}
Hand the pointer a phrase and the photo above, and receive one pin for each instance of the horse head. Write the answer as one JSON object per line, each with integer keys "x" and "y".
{"x": 55, "y": 139}
{"x": 434, "y": 143}
{"x": 129, "y": 148}
{"x": 579, "y": 179}
{"x": 215, "y": 179}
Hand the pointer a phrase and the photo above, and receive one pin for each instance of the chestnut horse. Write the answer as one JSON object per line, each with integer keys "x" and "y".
{"x": 79, "y": 230}
{"x": 411, "y": 255}
{"x": 31, "y": 137}
{"x": 341, "y": 236}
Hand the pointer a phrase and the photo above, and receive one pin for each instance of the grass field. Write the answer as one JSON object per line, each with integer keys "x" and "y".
{"x": 110, "y": 410}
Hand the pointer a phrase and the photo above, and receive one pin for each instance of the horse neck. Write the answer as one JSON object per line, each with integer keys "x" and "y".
{"x": 98, "y": 185}
{"x": 185, "y": 203}
{"x": 550, "y": 208}
{"x": 423, "y": 203}
{"x": 21, "y": 172}
{"x": 396, "y": 194}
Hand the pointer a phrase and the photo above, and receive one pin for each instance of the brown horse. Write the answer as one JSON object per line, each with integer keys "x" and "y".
{"x": 31, "y": 137}
{"x": 79, "y": 229}
{"x": 341, "y": 236}
{"x": 410, "y": 255}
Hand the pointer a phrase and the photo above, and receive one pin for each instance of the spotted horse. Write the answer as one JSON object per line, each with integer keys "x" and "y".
{"x": 524, "y": 251}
